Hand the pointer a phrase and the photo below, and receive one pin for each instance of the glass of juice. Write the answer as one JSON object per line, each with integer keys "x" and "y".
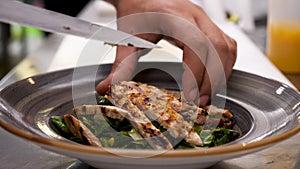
{"x": 283, "y": 41}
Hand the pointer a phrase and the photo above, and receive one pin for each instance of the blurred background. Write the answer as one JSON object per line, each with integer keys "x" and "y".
{"x": 17, "y": 42}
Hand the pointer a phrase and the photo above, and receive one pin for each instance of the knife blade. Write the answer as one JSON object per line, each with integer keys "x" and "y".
{"x": 15, "y": 12}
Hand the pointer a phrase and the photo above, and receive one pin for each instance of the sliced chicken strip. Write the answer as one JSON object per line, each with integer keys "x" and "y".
{"x": 120, "y": 97}
{"x": 155, "y": 103}
{"x": 108, "y": 111}
{"x": 81, "y": 131}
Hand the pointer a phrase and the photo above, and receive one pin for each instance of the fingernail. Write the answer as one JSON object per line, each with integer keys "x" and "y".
{"x": 193, "y": 94}
{"x": 204, "y": 100}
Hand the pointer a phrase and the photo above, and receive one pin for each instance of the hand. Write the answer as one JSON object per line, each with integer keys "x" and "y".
{"x": 204, "y": 45}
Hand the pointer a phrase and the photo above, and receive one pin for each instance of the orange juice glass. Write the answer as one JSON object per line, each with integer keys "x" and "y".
{"x": 283, "y": 44}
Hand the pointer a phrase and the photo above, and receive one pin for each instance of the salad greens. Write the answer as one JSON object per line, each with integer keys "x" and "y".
{"x": 121, "y": 134}
{"x": 113, "y": 133}
{"x": 58, "y": 124}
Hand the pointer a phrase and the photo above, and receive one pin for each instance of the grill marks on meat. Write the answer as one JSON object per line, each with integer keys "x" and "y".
{"x": 163, "y": 110}
{"x": 108, "y": 111}
{"x": 81, "y": 131}
{"x": 188, "y": 110}
{"x": 159, "y": 105}
{"x": 121, "y": 97}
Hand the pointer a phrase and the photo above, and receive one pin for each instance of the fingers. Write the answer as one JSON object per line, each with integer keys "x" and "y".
{"x": 192, "y": 75}
{"x": 122, "y": 68}
{"x": 208, "y": 69}
{"x": 199, "y": 73}
{"x": 125, "y": 63}
{"x": 220, "y": 61}
{"x": 232, "y": 54}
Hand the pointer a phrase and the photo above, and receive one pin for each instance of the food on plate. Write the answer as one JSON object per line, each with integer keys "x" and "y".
{"x": 148, "y": 101}
{"x": 138, "y": 115}
{"x": 80, "y": 131}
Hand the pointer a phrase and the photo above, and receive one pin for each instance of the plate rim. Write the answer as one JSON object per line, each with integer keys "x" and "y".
{"x": 166, "y": 154}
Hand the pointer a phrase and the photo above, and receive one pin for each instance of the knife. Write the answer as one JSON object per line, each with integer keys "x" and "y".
{"x": 15, "y": 12}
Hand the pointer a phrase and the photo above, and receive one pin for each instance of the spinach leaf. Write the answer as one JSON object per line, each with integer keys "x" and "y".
{"x": 103, "y": 100}
{"x": 58, "y": 124}
{"x": 218, "y": 136}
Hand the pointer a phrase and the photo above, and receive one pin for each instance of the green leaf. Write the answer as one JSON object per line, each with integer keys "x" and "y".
{"x": 103, "y": 100}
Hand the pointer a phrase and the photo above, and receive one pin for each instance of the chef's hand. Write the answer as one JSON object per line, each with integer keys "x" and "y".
{"x": 197, "y": 84}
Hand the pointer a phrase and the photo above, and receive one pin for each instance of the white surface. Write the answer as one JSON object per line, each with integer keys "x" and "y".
{"x": 74, "y": 49}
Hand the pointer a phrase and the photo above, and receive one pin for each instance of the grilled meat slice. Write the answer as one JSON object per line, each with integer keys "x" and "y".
{"x": 112, "y": 112}
{"x": 159, "y": 105}
{"x": 227, "y": 119}
{"x": 81, "y": 131}
{"x": 197, "y": 114}
{"x": 190, "y": 111}
{"x": 213, "y": 110}
{"x": 108, "y": 111}
{"x": 120, "y": 97}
